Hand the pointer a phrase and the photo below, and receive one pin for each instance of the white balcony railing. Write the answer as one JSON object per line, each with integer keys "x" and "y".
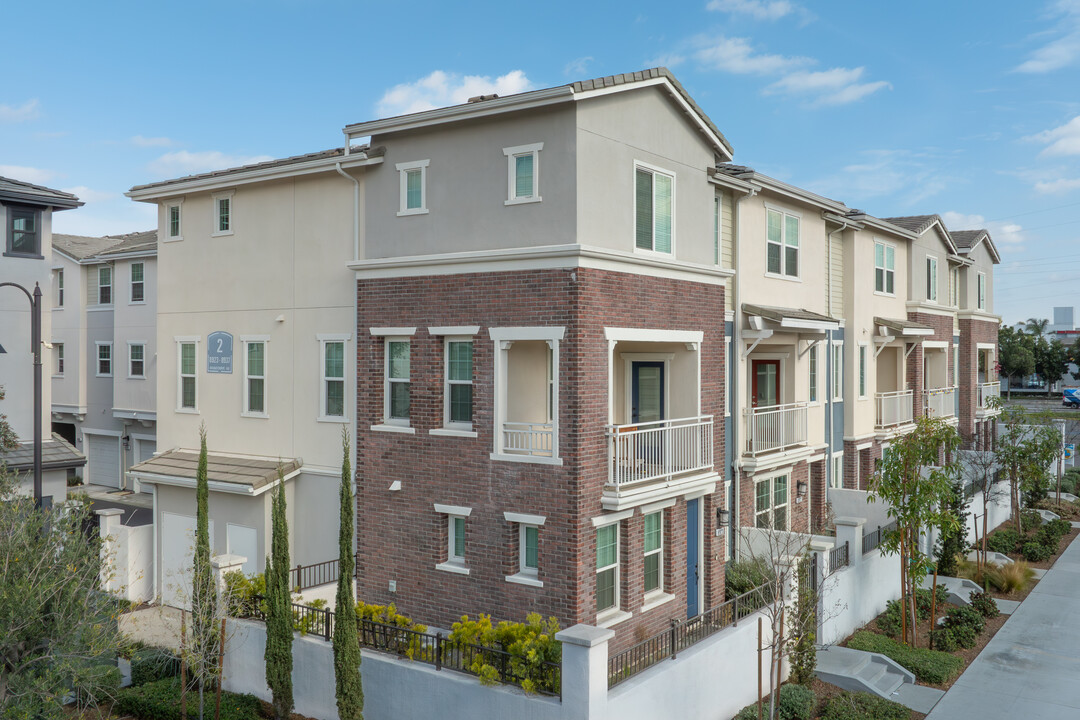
{"x": 523, "y": 438}
{"x": 651, "y": 451}
{"x": 775, "y": 428}
{"x": 987, "y": 391}
{"x": 940, "y": 402}
{"x": 894, "y": 408}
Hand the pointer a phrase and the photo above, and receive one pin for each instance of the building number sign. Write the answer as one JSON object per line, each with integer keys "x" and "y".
{"x": 219, "y": 352}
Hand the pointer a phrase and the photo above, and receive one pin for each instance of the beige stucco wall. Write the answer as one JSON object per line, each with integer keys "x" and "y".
{"x": 931, "y": 243}
{"x": 969, "y": 287}
{"x": 134, "y": 322}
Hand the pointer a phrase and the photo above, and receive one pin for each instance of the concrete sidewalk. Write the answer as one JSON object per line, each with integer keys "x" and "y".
{"x": 1031, "y": 668}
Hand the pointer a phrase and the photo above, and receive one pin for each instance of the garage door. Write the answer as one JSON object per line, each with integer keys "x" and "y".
{"x": 147, "y": 448}
{"x": 177, "y": 555}
{"x": 102, "y": 459}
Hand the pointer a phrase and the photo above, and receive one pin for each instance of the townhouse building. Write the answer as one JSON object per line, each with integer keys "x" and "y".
{"x": 26, "y": 212}
{"x": 104, "y": 317}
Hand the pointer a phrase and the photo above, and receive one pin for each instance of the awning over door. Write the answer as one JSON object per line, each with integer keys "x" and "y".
{"x": 241, "y": 474}
{"x": 793, "y": 318}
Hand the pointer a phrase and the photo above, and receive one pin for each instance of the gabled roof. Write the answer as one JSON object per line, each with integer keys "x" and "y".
{"x": 968, "y": 240}
{"x": 11, "y": 189}
{"x": 144, "y": 241}
{"x": 82, "y": 247}
{"x": 919, "y": 224}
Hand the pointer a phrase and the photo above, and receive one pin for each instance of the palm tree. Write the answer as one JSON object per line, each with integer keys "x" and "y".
{"x": 1036, "y": 327}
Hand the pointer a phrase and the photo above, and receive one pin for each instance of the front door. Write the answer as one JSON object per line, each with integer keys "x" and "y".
{"x": 766, "y": 380}
{"x": 647, "y": 392}
{"x": 693, "y": 557}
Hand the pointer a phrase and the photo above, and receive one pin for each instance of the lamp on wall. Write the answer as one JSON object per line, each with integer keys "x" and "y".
{"x": 800, "y": 487}
{"x": 127, "y": 442}
{"x": 723, "y": 517}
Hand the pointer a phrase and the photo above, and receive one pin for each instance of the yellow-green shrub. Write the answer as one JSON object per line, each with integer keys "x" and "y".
{"x": 530, "y": 645}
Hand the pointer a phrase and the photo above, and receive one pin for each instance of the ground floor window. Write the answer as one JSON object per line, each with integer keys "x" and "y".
{"x": 771, "y": 503}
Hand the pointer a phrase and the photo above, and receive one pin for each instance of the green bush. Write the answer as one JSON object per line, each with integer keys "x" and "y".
{"x": 1046, "y": 537}
{"x": 965, "y": 616}
{"x": 863, "y": 706}
{"x": 1060, "y": 526}
{"x": 161, "y": 701}
{"x": 530, "y": 644}
{"x": 241, "y": 592}
{"x": 1003, "y": 541}
{"x": 742, "y": 576}
{"x": 984, "y": 604}
{"x": 929, "y": 666}
{"x": 152, "y": 664}
{"x": 944, "y": 640}
{"x": 1035, "y": 551}
{"x": 889, "y": 622}
{"x": 1030, "y": 520}
{"x": 796, "y": 703}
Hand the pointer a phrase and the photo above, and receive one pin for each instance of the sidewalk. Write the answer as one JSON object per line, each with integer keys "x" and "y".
{"x": 1031, "y": 668}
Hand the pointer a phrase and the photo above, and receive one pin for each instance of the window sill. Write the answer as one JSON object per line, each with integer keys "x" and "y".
{"x": 534, "y": 459}
{"x": 332, "y": 419}
{"x": 137, "y": 302}
{"x": 61, "y": 307}
{"x": 523, "y": 200}
{"x": 884, "y": 294}
{"x": 523, "y": 579}
{"x": 28, "y": 256}
{"x": 453, "y": 567}
{"x": 136, "y": 377}
{"x": 648, "y": 252}
{"x": 100, "y": 375}
{"x": 57, "y": 377}
{"x": 608, "y": 618}
{"x": 414, "y": 211}
{"x": 450, "y": 432}
{"x": 257, "y": 416}
{"x": 105, "y": 307}
{"x": 188, "y": 411}
{"x": 789, "y": 278}
{"x": 655, "y": 599}
{"x": 221, "y": 233}
{"x": 178, "y": 238}
{"x": 404, "y": 429}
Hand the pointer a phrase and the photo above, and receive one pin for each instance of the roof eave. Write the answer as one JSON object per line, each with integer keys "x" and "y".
{"x": 41, "y": 200}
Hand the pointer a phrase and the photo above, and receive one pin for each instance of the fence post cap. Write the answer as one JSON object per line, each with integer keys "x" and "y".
{"x": 821, "y": 545}
{"x": 226, "y": 560}
{"x": 109, "y": 512}
{"x": 850, "y": 521}
{"x": 585, "y": 635}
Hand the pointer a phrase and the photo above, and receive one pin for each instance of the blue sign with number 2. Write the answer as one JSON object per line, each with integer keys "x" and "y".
{"x": 219, "y": 352}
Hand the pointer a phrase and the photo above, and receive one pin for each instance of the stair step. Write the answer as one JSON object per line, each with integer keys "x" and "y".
{"x": 888, "y": 683}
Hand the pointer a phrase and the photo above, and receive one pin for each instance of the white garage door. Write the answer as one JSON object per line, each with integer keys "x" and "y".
{"x": 244, "y": 541}
{"x": 147, "y": 448}
{"x": 103, "y": 460}
{"x": 177, "y": 555}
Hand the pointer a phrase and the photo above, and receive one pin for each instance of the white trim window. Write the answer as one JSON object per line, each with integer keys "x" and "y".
{"x": 954, "y": 287}
{"x": 982, "y": 291}
{"x": 59, "y": 347}
{"x": 836, "y": 480}
{"x": 173, "y": 219}
{"x": 862, "y": 369}
{"x": 412, "y": 177}
{"x": 955, "y": 366}
{"x": 654, "y": 209}
{"x": 782, "y": 243}
{"x": 716, "y": 230}
{"x": 137, "y": 360}
{"x": 104, "y": 359}
{"x": 223, "y": 214}
{"x": 458, "y": 388}
{"x": 396, "y": 383}
{"x": 138, "y": 283}
{"x": 187, "y": 399}
{"x": 654, "y": 552}
{"x": 812, "y": 363}
{"x": 105, "y": 285}
{"x": 526, "y": 432}
{"x": 455, "y": 538}
{"x": 838, "y": 370}
{"x": 523, "y": 174}
{"x": 332, "y": 378}
{"x": 771, "y": 497}
{"x": 60, "y": 287}
{"x": 607, "y": 567}
{"x": 931, "y": 279}
{"x": 884, "y": 268}
{"x": 255, "y": 360}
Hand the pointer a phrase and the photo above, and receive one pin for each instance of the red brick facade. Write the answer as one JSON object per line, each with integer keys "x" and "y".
{"x": 401, "y": 538}
{"x": 943, "y": 332}
{"x": 798, "y": 507}
{"x": 973, "y": 333}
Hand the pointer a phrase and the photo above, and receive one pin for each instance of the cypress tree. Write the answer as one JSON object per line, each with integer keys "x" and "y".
{"x": 350, "y": 691}
{"x": 279, "y": 622}
{"x": 203, "y": 593}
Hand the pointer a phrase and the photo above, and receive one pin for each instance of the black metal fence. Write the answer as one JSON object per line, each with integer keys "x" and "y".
{"x": 839, "y": 557}
{"x": 304, "y": 577}
{"x": 684, "y": 634}
{"x": 871, "y": 540}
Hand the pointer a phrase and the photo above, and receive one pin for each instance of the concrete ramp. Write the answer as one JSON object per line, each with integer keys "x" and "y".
{"x": 861, "y": 671}
{"x": 1047, "y": 515}
{"x": 991, "y": 556}
{"x": 959, "y": 589}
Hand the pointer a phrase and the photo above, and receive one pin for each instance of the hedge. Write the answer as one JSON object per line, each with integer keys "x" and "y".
{"x": 796, "y": 703}
{"x": 161, "y": 701}
{"x": 153, "y": 664}
{"x": 929, "y": 666}
{"x": 863, "y": 706}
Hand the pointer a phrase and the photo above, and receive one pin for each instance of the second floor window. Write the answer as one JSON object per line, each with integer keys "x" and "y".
{"x": 186, "y": 395}
{"x": 255, "y": 377}
{"x": 862, "y": 370}
{"x": 138, "y": 290}
{"x": 523, "y": 173}
{"x": 174, "y": 221}
{"x": 982, "y": 291}
{"x": 104, "y": 360}
{"x": 459, "y": 376}
{"x": 931, "y": 279}
{"x": 884, "y": 268}
{"x": 397, "y": 382}
{"x": 222, "y": 215}
{"x": 813, "y": 374}
{"x": 24, "y": 233}
{"x": 413, "y": 190}
{"x": 59, "y": 358}
{"x": 136, "y": 360}
{"x": 104, "y": 285}
{"x": 782, "y": 243}
{"x": 333, "y": 379}
{"x": 60, "y": 288}
{"x": 838, "y": 371}
{"x": 654, "y": 202}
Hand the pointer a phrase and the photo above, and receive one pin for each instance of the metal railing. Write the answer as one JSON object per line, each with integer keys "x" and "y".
{"x": 775, "y": 427}
{"x": 894, "y": 408}
{"x": 940, "y": 402}
{"x": 650, "y": 451}
{"x": 304, "y": 577}
{"x": 527, "y": 438}
{"x": 871, "y": 540}
{"x": 684, "y": 634}
{"x": 987, "y": 391}
{"x": 839, "y": 557}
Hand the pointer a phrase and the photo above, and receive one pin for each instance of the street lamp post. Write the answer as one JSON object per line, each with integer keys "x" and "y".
{"x": 35, "y": 344}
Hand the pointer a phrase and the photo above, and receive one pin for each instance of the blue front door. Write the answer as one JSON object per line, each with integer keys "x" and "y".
{"x": 693, "y": 559}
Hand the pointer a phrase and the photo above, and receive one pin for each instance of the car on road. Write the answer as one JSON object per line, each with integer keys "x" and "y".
{"x": 1071, "y": 398}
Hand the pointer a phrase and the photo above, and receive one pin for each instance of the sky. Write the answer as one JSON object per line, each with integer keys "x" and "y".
{"x": 963, "y": 108}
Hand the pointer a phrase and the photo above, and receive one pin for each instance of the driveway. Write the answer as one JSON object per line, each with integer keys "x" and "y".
{"x": 1031, "y": 668}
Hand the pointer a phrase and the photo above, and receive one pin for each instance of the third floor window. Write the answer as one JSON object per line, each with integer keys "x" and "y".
{"x": 654, "y": 203}
{"x": 782, "y": 243}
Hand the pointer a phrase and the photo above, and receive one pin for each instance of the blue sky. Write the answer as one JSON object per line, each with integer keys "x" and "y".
{"x": 967, "y": 109}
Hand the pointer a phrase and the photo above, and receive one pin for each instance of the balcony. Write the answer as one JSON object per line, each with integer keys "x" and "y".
{"x": 940, "y": 402}
{"x": 665, "y": 450}
{"x": 775, "y": 428}
{"x": 894, "y": 409}
{"x": 528, "y": 438}
{"x": 986, "y": 391}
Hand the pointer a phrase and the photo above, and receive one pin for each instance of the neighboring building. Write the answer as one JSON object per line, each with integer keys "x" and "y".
{"x": 105, "y": 351}
{"x": 26, "y": 236}
{"x": 1064, "y": 320}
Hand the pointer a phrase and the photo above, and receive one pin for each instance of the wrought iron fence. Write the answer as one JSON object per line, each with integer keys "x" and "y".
{"x": 839, "y": 557}
{"x": 304, "y": 577}
{"x": 874, "y": 538}
{"x": 684, "y": 634}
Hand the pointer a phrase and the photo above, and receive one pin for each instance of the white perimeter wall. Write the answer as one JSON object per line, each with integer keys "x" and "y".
{"x": 858, "y": 593}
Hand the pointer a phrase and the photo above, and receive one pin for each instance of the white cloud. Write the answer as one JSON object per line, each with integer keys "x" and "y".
{"x": 187, "y": 163}
{"x": 20, "y": 113}
{"x": 908, "y": 177}
{"x": 757, "y": 9}
{"x": 1003, "y": 233}
{"x": 37, "y": 176}
{"x": 441, "y": 88}
{"x": 111, "y": 217}
{"x": 838, "y": 86}
{"x": 578, "y": 66}
{"x": 1057, "y": 187}
{"x": 140, "y": 141}
{"x": 1064, "y": 49}
{"x": 736, "y": 55}
{"x": 88, "y": 195}
{"x": 669, "y": 61}
{"x": 1064, "y": 140}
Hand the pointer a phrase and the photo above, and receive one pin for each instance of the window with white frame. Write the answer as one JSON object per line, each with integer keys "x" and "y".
{"x": 716, "y": 230}
{"x": 413, "y": 187}
{"x": 837, "y": 479}
{"x": 523, "y": 173}
{"x": 24, "y": 231}
{"x": 607, "y": 567}
{"x": 59, "y": 347}
{"x": 136, "y": 360}
{"x": 782, "y": 243}
{"x": 862, "y": 370}
{"x": 931, "y": 279}
{"x": 771, "y": 503}
{"x": 105, "y": 285}
{"x": 955, "y": 366}
{"x": 396, "y": 386}
{"x": 254, "y": 376}
{"x": 456, "y": 546}
{"x": 60, "y": 287}
{"x": 104, "y": 359}
{"x": 223, "y": 213}
{"x": 186, "y": 378}
{"x": 654, "y": 552}
{"x": 528, "y": 548}
{"x": 884, "y": 268}
{"x": 813, "y": 363}
{"x": 138, "y": 286}
{"x": 172, "y": 213}
{"x": 838, "y": 370}
{"x": 455, "y": 538}
{"x": 526, "y": 383}
{"x": 954, "y": 287}
{"x": 332, "y": 379}
{"x": 654, "y": 209}
{"x": 458, "y": 395}
{"x": 982, "y": 291}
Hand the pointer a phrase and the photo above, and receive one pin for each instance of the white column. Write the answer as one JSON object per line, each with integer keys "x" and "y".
{"x": 222, "y": 564}
{"x": 850, "y": 530}
{"x": 584, "y": 671}
{"x": 113, "y": 555}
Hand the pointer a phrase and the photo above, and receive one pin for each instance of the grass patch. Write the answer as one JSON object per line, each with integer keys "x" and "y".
{"x": 929, "y": 666}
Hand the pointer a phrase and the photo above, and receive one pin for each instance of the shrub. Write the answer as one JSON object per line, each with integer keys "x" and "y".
{"x": 796, "y": 703}
{"x": 862, "y": 706}
{"x": 161, "y": 701}
{"x": 742, "y": 576}
{"x": 530, "y": 645}
{"x": 1010, "y": 577}
{"x": 929, "y": 666}
{"x": 889, "y": 621}
{"x": 1048, "y": 538}
{"x": 1003, "y": 541}
{"x": 153, "y": 664}
{"x": 240, "y": 594}
{"x": 984, "y": 604}
{"x": 965, "y": 617}
{"x": 944, "y": 640}
{"x": 1030, "y": 520}
{"x": 1061, "y": 526}
{"x": 1035, "y": 552}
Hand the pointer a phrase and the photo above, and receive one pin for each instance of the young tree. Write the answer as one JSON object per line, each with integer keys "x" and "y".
{"x": 279, "y": 620}
{"x": 917, "y": 488}
{"x": 981, "y": 470}
{"x": 8, "y": 439}
{"x": 1027, "y": 445}
{"x": 1051, "y": 361}
{"x": 951, "y": 542}
{"x": 205, "y": 645}
{"x": 350, "y": 691}
{"x": 1016, "y": 353}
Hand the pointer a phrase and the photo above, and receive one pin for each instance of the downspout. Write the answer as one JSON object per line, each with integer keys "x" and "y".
{"x": 736, "y": 351}
{"x": 356, "y": 207}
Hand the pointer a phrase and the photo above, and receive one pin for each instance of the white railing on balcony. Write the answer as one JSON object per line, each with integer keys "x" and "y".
{"x": 894, "y": 408}
{"x": 775, "y": 428}
{"x": 655, "y": 450}
{"x": 987, "y": 391}
{"x": 524, "y": 438}
{"x": 940, "y": 402}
